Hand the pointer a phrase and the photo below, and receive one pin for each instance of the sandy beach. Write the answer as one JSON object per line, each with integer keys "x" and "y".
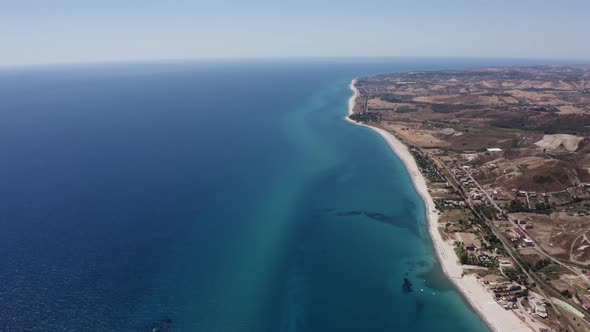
{"x": 497, "y": 318}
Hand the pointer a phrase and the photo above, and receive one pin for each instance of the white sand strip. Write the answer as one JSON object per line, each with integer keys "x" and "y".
{"x": 496, "y": 317}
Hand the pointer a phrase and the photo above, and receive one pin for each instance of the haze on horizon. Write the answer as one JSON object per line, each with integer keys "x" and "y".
{"x": 65, "y": 31}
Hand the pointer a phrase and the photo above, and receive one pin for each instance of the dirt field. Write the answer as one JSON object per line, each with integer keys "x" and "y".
{"x": 560, "y": 235}
{"x": 423, "y": 138}
{"x": 468, "y": 238}
{"x": 455, "y": 215}
{"x": 569, "y": 109}
{"x": 552, "y": 142}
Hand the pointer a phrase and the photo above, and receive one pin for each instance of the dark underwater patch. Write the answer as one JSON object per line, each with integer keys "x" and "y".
{"x": 348, "y": 213}
{"x": 407, "y": 286}
{"x": 397, "y": 221}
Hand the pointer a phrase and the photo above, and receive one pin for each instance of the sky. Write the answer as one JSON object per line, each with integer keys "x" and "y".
{"x": 71, "y": 31}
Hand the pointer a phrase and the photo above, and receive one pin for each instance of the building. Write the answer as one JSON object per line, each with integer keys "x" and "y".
{"x": 519, "y": 232}
{"x": 539, "y": 308}
{"x": 505, "y": 262}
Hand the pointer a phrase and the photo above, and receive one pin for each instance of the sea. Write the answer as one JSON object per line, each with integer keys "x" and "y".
{"x": 212, "y": 195}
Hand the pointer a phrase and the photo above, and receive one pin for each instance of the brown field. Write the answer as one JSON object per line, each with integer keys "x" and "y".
{"x": 423, "y": 138}
{"x": 538, "y": 116}
{"x": 570, "y": 109}
{"x": 378, "y": 103}
{"x": 560, "y": 234}
{"x": 468, "y": 238}
{"x": 455, "y": 215}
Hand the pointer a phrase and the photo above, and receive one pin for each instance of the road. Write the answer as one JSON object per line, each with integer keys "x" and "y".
{"x": 537, "y": 248}
{"x": 529, "y": 273}
{"x": 542, "y": 286}
{"x": 485, "y": 193}
{"x": 514, "y": 253}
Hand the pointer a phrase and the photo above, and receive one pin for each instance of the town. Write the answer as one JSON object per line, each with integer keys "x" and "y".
{"x": 505, "y": 153}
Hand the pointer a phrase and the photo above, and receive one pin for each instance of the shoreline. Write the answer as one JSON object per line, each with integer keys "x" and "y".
{"x": 496, "y": 317}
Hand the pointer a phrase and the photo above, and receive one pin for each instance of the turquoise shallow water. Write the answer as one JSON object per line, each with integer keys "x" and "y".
{"x": 210, "y": 196}
{"x": 364, "y": 233}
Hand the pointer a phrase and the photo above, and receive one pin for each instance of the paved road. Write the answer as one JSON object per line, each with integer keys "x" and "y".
{"x": 485, "y": 193}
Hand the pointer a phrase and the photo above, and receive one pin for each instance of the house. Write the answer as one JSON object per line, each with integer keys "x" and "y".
{"x": 539, "y": 308}
{"x": 528, "y": 242}
{"x": 511, "y": 291}
{"x": 519, "y": 232}
{"x": 504, "y": 262}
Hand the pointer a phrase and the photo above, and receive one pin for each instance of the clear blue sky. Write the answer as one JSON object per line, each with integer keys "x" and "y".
{"x": 62, "y": 31}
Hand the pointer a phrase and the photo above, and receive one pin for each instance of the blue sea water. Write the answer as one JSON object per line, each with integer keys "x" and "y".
{"x": 210, "y": 196}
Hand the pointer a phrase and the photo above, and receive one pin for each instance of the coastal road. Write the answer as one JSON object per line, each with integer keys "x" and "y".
{"x": 537, "y": 248}
{"x": 529, "y": 273}
{"x": 564, "y": 321}
{"x": 516, "y": 257}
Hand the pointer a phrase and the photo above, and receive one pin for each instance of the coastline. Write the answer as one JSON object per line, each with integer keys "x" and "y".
{"x": 497, "y": 318}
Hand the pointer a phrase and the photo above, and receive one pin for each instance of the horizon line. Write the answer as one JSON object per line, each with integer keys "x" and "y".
{"x": 582, "y": 61}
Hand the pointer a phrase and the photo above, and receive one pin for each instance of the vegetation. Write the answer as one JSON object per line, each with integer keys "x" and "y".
{"x": 515, "y": 206}
{"x": 391, "y": 98}
{"x": 365, "y": 117}
{"x": 405, "y": 109}
{"x": 462, "y": 254}
{"x": 450, "y": 108}
{"x": 511, "y": 273}
{"x": 550, "y": 271}
{"x": 541, "y": 264}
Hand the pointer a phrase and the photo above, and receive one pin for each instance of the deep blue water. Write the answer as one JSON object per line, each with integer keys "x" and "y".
{"x": 210, "y": 196}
